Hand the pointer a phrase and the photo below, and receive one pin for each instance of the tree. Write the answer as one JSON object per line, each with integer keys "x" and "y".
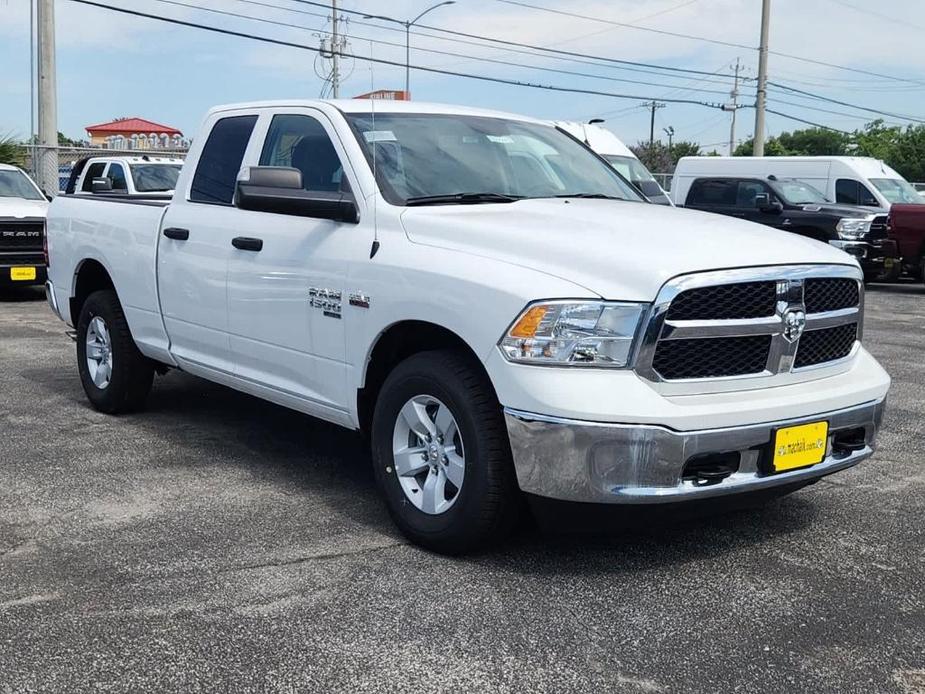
{"x": 10, "y": 151}
{"x": 658, "y": 159}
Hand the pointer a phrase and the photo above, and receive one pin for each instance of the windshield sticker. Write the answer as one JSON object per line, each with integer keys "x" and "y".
{"x": 380, "y": 136}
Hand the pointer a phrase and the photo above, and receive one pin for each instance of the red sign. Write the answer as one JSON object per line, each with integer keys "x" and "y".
{"x": 387, "y": 94}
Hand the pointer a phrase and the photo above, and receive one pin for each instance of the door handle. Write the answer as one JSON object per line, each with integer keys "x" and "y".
{"x": 176, "y": 233}
{"x": 246, "y": 243}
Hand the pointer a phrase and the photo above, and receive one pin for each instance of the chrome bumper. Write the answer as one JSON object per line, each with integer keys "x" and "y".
{"x": 642, "y": 464}
{"x": 52, "y": 300}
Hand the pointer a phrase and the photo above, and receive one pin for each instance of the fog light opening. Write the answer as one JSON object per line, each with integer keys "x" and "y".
{"x": 848, "y": 441}
{"x": 710, "y": 468}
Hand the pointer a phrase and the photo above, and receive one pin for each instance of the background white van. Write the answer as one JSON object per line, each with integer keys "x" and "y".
{"x": 619, "y": 156}
{"x": 849, "y": 180}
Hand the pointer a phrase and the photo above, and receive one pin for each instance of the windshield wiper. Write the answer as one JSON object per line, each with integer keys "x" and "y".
{"x": 590, "y": 196}
{"x": 461, "y": 199}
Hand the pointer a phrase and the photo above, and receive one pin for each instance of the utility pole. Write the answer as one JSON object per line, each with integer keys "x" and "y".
{"x": 47, "y": 99}
{"x": 735, "y": 107}
{"x": 654, "y": 106}
{"x": 669, "y": 131}
{"x": 761, "y": 101}
{"x": 32, "y": 162}
{"x": 335, "y": 50}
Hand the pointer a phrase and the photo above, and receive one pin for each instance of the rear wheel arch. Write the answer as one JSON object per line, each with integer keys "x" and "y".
{"x": 90, "y": 276}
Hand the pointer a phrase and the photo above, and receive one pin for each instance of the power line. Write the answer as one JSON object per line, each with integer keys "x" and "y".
{"x": 704, "y": 39}
{"x": 625, "y": 25}
{"x": 382, "y": 61}
{"x": 807, "y": 122}
{"x": 544, "y": 49}
{"x": 845, "y": 103}
{"x": 505, "y": 63}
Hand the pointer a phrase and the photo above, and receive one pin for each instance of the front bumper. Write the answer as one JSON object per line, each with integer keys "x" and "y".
{"x": 600, "y": 462}
{"x": 880, "y": 257}
{"x": 6, "y": 278}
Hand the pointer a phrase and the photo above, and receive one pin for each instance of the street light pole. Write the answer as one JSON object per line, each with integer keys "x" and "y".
{"x": 408, "y": 26}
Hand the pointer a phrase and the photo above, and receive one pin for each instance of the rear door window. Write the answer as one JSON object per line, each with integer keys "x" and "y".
{"x": 713, "y": 192}
{"x": 220, "y": 161}
{"x": 95, "y": 170}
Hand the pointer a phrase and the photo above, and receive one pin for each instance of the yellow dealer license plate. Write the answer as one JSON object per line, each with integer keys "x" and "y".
{"x": 22, "y": 274}
{"x": 800, "y": 446}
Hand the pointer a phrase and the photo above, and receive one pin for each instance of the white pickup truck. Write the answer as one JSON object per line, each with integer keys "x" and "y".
{"x": 143, "y": 176}
{"x": 485, "y": 298}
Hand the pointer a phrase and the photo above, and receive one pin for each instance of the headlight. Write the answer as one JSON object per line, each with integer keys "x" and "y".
{"x": 587, "y": 333}
{"x": 852, "y": 228}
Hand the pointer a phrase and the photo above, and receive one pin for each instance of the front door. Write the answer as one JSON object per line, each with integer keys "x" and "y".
{"x": 286, "y": 289}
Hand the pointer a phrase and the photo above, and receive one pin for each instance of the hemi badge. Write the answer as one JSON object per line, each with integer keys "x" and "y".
{"x": 359, "y": 300}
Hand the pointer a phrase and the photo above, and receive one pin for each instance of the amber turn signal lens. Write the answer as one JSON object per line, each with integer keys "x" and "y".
{"x": 529, "y": 322}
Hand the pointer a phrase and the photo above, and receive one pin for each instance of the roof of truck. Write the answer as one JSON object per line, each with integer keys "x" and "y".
{"x": 382, "y": 106}
{"x": 138, "y": 160}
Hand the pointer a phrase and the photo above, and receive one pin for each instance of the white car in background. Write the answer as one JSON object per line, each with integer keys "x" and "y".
{"x": 619, "y": 156}
{"x": 144, "y": 175}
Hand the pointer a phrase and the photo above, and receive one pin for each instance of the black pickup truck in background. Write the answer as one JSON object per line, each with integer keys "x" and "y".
{"x": 22, "y": 229}
{"x": 791, "y": 205}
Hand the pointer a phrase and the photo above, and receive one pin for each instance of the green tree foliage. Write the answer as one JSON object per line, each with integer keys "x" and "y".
{"x": 658, "y": 159}
{"x": 10, "y": 151}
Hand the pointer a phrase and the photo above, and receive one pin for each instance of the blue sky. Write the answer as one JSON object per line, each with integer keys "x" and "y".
{"x": 113, "y": 65}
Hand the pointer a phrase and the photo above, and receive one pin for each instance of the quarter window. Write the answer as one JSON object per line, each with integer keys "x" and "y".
{"x": 301, "y": 142}
{"x": 220, "y": 161}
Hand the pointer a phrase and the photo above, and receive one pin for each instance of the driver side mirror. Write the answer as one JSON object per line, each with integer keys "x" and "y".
{"x": 101, "y": 185}
{"x": 278, "y": 189}
{"x": 764, "y": 204}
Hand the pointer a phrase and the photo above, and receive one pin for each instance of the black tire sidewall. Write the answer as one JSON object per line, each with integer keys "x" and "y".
{"x": 125, "y": 356}
{"x": 453, "y": 526}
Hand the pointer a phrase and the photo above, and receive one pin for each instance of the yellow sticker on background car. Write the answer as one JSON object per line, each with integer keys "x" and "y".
{"x": 800, "y": 446}
{"x": 21, "y": 274}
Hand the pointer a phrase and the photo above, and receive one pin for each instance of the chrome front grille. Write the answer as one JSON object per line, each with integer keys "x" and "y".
{"x": 752, "y": 323}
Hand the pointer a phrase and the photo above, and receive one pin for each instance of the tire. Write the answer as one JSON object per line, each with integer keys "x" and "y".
{"x": 130, "y": 374}
{"x": 485, "y": 506}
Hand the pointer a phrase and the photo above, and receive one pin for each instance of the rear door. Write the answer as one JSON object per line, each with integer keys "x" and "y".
{"x": 714, "y": 195}
{"x": 195, "y": 247}
{"x": 286, "y": 300}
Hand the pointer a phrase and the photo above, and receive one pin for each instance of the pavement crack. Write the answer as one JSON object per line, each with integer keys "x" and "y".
{"x": 313, "y": 557}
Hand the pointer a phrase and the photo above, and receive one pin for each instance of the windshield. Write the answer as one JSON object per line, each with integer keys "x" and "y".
{"x": 477, "y": 159}
{"x": 798, "y": 193}
{"x": 155, "y": 178}
{"x": 15, "y": 184}
{"x": 897, "y": 190}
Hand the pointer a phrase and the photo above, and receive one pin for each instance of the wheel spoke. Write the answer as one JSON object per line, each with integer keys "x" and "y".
{"x": 415, "y": 415}
{"x": 95, "y": 351}
{"x": 433, "y": 492}
{"x": 408, "y": 461}
{"x": 445, "y": 424}
{"x": 101, "y": 377}
{"x": 455, "y": 468}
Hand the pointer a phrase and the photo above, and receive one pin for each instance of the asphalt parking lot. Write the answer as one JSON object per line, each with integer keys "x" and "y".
{"x": 220, "y": 543}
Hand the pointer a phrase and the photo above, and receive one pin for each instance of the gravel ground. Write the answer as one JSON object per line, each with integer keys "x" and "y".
{"x": 220, "y": 543}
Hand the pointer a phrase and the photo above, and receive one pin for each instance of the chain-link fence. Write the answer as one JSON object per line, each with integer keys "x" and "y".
{"x": 664, "y": 180}
{"x": 31, "y": 158}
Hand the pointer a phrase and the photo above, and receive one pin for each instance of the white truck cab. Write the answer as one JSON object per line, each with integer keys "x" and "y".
{"x": 138, "y": 176}
{"x": 619, "y": 156}
{"x": 486, "y": 298}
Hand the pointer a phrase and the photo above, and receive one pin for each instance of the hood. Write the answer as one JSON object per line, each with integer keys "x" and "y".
{"x": 20, "y": 207}
{"x": 837, "y": 210}
{"x": 619, "y": 250}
